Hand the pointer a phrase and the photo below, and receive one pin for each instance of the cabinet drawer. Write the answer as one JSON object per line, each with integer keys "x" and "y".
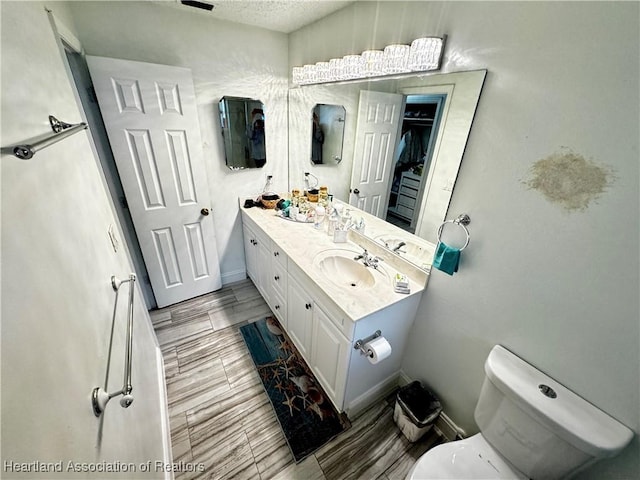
{"x": 299, "y": 280}
{"x": 408, "y": 192}
{"x": 410, "y": 182}
{"x": 404, "y": 211}
{"x": 407, "y": 201}
{"x": 279, "y": 278}
{"x": 278, "y": 256}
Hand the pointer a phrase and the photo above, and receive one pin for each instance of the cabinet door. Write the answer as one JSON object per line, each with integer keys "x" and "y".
{"x": 250, "y": 252}
{"x": 263, "y": 267}
{"x": 299, "y": 317}
{"x": 330, "y": 356}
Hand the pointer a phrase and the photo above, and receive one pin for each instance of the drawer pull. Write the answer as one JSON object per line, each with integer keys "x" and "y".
{"x": 307, "y": 306}
{"x": 277, "y": 307}
{"x": 276, "y": 278}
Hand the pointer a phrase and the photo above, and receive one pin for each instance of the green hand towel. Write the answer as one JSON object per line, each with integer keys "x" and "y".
{"x": 446, "y": 258}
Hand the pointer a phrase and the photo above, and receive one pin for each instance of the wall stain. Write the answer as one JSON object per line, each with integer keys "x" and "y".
{"x": 569, "y": 179}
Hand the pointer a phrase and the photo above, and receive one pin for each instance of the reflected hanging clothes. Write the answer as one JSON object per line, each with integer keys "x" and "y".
{"x": 409, "y": 154}
{"x": 255, "y": 134}
{"x": 317, "y": 140}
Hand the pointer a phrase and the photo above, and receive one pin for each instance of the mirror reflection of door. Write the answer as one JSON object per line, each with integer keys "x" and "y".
{"x": 243, "y": 131}
{"x": 389, "y": 172}
{"x": 379, "y": 117}
{"x": 412, "y": 158}
{"x": 327, "y": 134}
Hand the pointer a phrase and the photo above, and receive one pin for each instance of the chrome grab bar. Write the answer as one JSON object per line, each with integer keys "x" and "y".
{"x": 61, "y": 130}
{"x": 100, "y": 397}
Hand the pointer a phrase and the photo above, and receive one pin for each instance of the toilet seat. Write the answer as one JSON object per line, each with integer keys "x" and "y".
{"x": 471, "y": 458}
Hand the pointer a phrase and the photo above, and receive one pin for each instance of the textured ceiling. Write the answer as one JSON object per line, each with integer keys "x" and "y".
{"x": 281, "y": 15}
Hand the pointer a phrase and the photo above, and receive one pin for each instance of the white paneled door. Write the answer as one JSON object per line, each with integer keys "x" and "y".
{"x": 373, "y": 161}
{"x": 151, "y": 119}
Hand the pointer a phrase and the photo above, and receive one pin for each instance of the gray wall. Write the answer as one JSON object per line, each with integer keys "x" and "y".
{"x": 57, "y": 300}
{"x": 558, "y": 287}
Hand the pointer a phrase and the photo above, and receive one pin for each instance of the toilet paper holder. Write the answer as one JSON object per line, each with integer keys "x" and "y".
{"x": 359, "y": 345}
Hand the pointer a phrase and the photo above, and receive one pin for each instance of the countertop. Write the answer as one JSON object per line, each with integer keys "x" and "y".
{"x": 302, "y": 242}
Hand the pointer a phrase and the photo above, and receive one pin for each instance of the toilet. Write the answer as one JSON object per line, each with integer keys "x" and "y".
{"x": 531, "y": 427}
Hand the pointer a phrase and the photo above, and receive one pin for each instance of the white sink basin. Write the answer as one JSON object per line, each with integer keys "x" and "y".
{"x": 340, "y": 267}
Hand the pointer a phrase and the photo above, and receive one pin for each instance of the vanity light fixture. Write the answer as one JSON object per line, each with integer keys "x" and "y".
{"x": 423, "y": 55}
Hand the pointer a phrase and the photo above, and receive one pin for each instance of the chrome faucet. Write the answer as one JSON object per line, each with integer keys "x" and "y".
{"x": 358, "y": 227}
{"x": 398, "y": 247}
{"x": 367, "y": 259}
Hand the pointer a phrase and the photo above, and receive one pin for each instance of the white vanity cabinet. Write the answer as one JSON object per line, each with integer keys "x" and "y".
{"x": 267, "y": 267}
{"x": 322, "y": 320}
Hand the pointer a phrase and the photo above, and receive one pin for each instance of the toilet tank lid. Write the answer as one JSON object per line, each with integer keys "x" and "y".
{"x": 569, "y": 416}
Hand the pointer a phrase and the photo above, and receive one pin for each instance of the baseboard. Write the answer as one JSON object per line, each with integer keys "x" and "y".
{"x": 403, "y": 379}
{"x": 448, "y": 429}
{"x": 232, "y": 277}
{"x": 374, "y": 394}
{"x": 164, "y": 402}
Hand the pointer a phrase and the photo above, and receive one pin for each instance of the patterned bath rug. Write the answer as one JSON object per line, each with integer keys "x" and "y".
{"x": 306, "y": 415}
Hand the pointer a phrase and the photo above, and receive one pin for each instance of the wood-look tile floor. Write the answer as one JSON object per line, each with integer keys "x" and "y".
{"x": 220, "y": 415}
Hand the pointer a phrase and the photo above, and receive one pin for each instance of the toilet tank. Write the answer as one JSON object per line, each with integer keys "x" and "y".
{"x": 542, "y": 428}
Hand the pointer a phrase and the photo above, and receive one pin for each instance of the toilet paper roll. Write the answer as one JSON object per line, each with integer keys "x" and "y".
{"x": 378, "y": 349}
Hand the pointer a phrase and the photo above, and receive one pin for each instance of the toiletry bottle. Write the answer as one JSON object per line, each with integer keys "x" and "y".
{"x": 295, "y": 197}
{"x": 268, "y": 186}
{"x": 323, "y": 196}
{"x": 306, "y": 185}
{"x": 332, "y": 224}
{"x": 346, "y": 218}
{"x": 319, "y": 220}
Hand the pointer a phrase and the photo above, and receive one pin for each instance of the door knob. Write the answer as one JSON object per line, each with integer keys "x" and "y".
{"x": 204, "y": 211}
{"x": 356, "y": 191}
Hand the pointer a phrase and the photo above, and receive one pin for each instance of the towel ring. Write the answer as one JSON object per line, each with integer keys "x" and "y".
{"x": 462, "y": 220}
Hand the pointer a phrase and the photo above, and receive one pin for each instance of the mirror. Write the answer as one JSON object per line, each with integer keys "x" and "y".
{"x": 327, "y": 134}
{"x": 462, "y": 91}
{"x": 412, "y": 159}
{"x": 242, "y": 121}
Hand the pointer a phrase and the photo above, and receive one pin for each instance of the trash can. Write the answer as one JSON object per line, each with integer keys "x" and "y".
{"x": 416, "y": 410}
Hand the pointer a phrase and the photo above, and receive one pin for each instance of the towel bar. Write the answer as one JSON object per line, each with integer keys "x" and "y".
{"x": 463, "y": 220}
{"x": 61, "y": 130}
{"x": 100, "y": 397}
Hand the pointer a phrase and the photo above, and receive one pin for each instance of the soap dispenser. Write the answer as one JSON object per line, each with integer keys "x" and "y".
{"x": 346, "y": 218}
{"x": 332, "y": 224}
